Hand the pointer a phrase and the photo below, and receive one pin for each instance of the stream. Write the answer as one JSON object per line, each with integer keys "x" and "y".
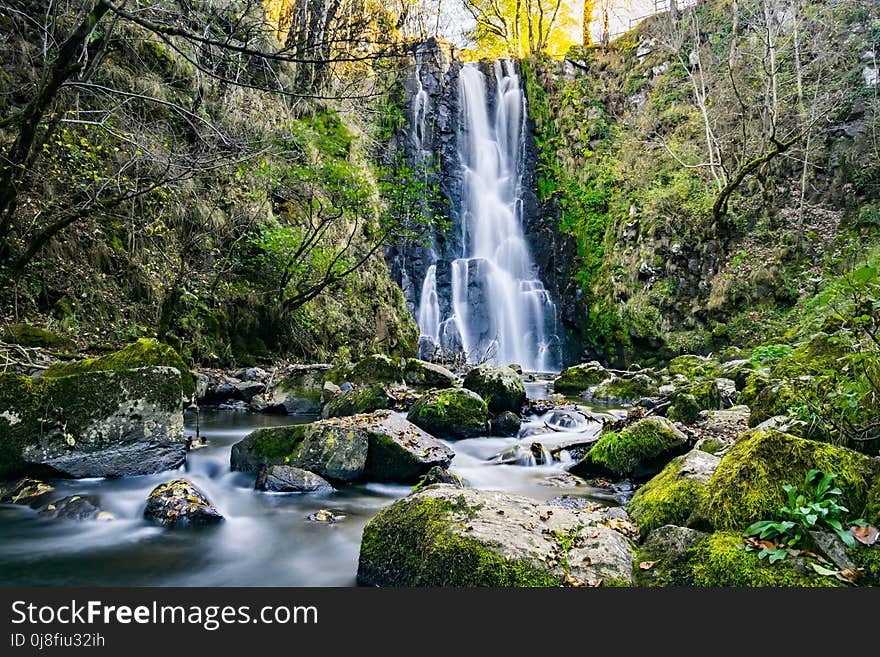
{"x": 266, "y": 540}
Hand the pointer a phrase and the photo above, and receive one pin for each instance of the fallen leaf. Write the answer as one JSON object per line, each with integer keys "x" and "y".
{"x": 851, "y": 575}
{"x": 647, "y": 565}
{"x": 866, "y": 535}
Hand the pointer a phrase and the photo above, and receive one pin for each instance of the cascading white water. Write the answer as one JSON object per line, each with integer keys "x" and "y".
{"x": 501, "y": 311}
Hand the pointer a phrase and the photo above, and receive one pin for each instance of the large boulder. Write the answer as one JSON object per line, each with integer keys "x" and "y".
{"x": 500, "y": 387}
{"x": 451, "y": 413}
{"x": 579, "y": 378}
{"x": 747, "y": 485}
{"x": 300, "y": 391}
{"x": 380, "y": 446}
{"x": 377, "y": 368}
{"x": 692, "y": 367}
{"x": 624, "y": 390}
{"x": 288, "y": 479}
{"x": 145, "y": 352}
{"x": 27, "y": 335}
{"x": 179, "y": 503}
{"x": 641, "y": 449}
{"x": 363, "y": 399}
{"x": 676, "y": 556}
{"x": 399, "y": 450}
{"x": 335, "y": 449}
{"x": 671, "y": 497}
{"x": 102, "y": 423}
{"x": 421, "y": 374}
{"x": 447, "y": 536}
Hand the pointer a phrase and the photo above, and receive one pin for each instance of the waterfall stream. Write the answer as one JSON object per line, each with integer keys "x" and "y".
{"x": 500, "y": 311}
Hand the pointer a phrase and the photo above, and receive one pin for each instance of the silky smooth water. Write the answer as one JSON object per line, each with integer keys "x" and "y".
{"x": 500, "y": 309}
{"x": 266, "y": 539}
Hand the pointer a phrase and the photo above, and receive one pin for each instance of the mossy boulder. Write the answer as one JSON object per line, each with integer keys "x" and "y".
{"x": 380, "y": 446}
{"x": 33, "y": 336}
{"x": 451, "y": 413}
{"x": 822, "y": 352}
{"x": 684, "y": 409}
{"x": 737, "y": 370}
{"x": 500, "y": 387}
{"x": 747, "y": 485}
{"x": 506, "y": 423}
{"x": 671, "y": 497}
{"x": 364, "y": 399}
{"x": 721, "y": 560}
{"x": 421, "y": 374}
{"x": 447, "y": 536}
{"x": 579, "y": 378}
{"x": 24, "y": 491}
{"x": 301, "y": 390}
{"x": 335, "y": 449}
{"x": 145, "y": 352}
{"x": 693, "y": 367}
{"x": 705, "y": 392}
{"x": 872, "y": 508}
{"x": 776, "y": 398}
{"x": 625, "y": 390}
{"x": 377, "y": 368}
{"x": 102, "y": 423}
{"x": 640, "y": 449}
{"x": 666, "y": 555}
{"x": 179, "y": 503}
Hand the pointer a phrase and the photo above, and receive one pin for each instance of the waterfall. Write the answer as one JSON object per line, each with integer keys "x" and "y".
{"x": 501, "y": 311}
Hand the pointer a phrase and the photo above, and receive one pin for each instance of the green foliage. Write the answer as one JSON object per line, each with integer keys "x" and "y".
{"x": 811, "y": 507}
{"x": 770, "y": 354}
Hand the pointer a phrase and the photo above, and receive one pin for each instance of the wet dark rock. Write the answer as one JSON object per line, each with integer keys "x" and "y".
{"x": 24, "y": 491}
{"x": 451, "y": 413}
{"x": 247, "y": 390}
{"x": 438, "y": 475}
{"x": 75, "y": 507}
{"x": 288, "y": 479}
{"x": 505, "y": 424}
{"x": 326, "y": 516}
{"x": 421, "y": 374}
{"x": 179, "y": 503}
{"x": 500, "y": 387}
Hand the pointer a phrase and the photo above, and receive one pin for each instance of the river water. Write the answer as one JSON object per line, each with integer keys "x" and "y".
{"x": 266, "y": 540}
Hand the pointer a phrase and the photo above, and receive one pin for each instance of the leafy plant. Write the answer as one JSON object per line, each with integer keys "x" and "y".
{"x": 814, "y": 506}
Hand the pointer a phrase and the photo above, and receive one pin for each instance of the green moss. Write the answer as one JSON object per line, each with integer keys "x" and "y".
{"x": 685, "y": 409}
{"x": 360, "y": 400}
{"x": 747, "y": 486}
{"x": 692, "y": 367}
{"x": 278, "y": 444}
{"x": 451, "y": 413}
{"x": 667, "y": 499}
{"x": 625, "y": 390}
{"x": 774, "y": 399}
{"x": 500, "y": 387}
{"x": 377, "y": 368}
{"x": 410, "y": 544}
{"x": 635, "y": 449}
{"x": 721, "y": 560}
{"x": 872, "y": 507}
{"x": 33, "y": 336}
{"x": 576, "y": 379}
{"x": 712, "y": 445}
{"x": 706, "y": 394}
{"x": 869, "y": 559}
{"x": 145, "y": 352}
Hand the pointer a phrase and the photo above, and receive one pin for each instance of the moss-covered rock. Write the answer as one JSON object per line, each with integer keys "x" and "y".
{"x": 179, "y": 503}
{"x": 500, "y": 387}
{"x": 664, "y": 559}
{"x": 33, "y": 336}
{"x": 705, "y": 392}
{"x": 335, "y": 449}
{"x": 506, "y": 423}
{"x": 377, "y": 368}
{"x": 640, "y": 449}
{"x": 822, "y": 352}
{"x": 693, "y": 367}
{"x": 421, "y": 374}
{"x": 737, "y": 370}
{"x": 625, "y": 390}
{"x": 747, "y": 485}
{"x": 721, "y": 560}
{"x": 24, "y": 491}
{"x": 671, "y": 497}
{"x": 101, "y": 423}
{"x": 301, "y": 390}
{"x": 684, "y": 409}
{"x": 363, "y": 399}
{"x": 451, "y": 413}
{"x": 776, "y": 398}
{"x": 872, "y": 507}
{"x": 145, "y": 352}
{"x": 398, "y": 450}
{"x": 867, "y": 558}
{"x": 579, "y": 378}
{"x": 447, "y": 536}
